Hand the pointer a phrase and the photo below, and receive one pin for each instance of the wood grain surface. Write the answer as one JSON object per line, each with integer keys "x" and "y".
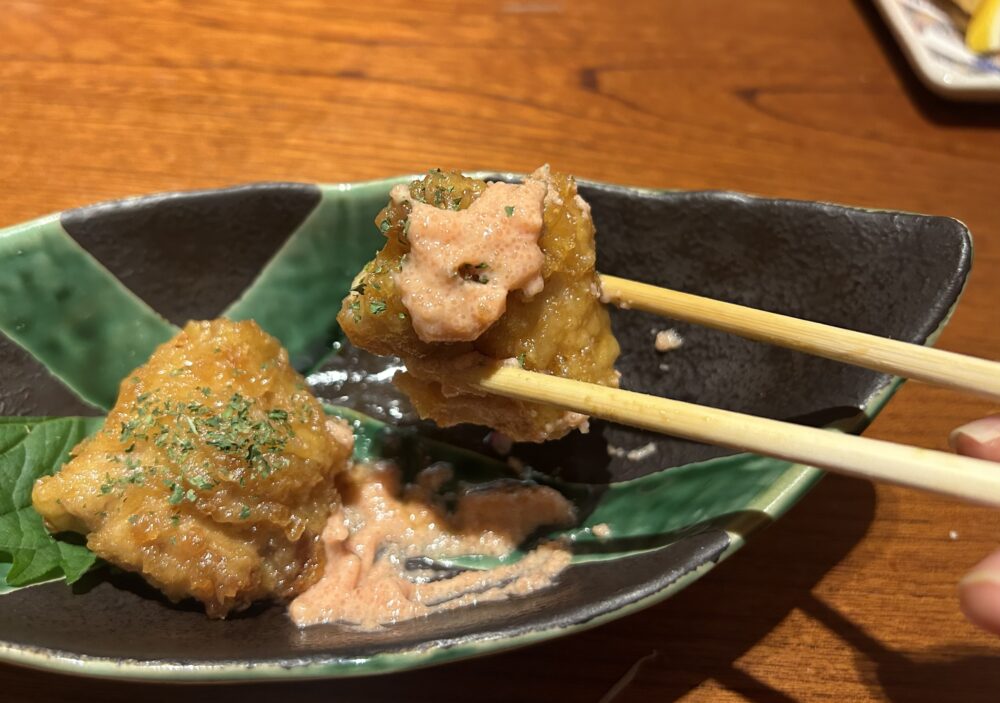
{"x": 852, "y": 596}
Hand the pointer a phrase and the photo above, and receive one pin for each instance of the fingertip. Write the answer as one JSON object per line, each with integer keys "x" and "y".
{"x": 979, "y": 439}
{"x": 979, "y": 592}
{"x": 979, "y": 597}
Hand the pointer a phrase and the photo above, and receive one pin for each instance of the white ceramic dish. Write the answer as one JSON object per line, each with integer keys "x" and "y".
{"x": 936, "y": 50}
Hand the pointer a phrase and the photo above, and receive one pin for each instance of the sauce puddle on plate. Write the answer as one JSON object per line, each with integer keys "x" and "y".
{"x": 381, "y": 524}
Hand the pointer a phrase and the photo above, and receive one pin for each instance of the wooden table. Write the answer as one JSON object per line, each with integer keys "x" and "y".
{"x": 776, "y": 97}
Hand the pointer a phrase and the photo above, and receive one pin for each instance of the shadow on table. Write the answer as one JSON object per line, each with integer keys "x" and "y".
{"x": 703, "y": 632}
{"x": 915, "y": 677}
{"x": 940, "y": 111}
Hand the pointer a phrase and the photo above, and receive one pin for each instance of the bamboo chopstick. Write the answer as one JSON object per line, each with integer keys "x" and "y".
{"x": 926, "y": 364}
{"x": 960, "y": 477}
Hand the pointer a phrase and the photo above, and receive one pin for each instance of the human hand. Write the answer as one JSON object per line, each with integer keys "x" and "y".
{"x": 979, "y": 591}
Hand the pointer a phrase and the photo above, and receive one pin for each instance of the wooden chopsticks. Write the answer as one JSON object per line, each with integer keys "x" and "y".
{"x": 898, "y": 358}
{"x": 960, "y": 477}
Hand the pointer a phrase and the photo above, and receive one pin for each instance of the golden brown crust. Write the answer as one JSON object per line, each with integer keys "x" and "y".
{"x": 564, "y": 330}
{"x": 212, "y": 476}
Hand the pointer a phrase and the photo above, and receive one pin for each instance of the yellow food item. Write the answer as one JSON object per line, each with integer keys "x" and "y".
{"x": 563, "y": 330}
{"x": 983, "y": 34}
{"x": 213, "y": 474}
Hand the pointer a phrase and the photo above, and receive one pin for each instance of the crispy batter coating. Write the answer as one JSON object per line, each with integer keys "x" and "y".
{"x": 564, "y": 330}
{"x": 213, "y": 474}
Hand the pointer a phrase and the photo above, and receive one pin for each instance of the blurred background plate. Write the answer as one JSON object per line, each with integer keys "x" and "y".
{"x": 935, "y": 48}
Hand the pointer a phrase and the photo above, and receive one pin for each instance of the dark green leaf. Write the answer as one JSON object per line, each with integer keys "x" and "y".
{"x": 29, "y": 449}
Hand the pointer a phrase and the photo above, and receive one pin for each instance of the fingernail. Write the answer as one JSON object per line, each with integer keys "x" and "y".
{"x": 974, "y": 577}
{"x": 980, "y": 439}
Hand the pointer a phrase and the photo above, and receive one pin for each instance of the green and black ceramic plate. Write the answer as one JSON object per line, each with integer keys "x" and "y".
{"x": 85, "y": 295}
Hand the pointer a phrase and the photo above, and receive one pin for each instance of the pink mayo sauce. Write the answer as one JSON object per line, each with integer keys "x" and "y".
{"x": 381, "y": 524}
{"x": 462, "y": 264}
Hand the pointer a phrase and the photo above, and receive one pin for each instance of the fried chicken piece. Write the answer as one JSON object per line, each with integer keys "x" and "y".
{"x": 213, "y": 474}
{"x": 563, "y": 329}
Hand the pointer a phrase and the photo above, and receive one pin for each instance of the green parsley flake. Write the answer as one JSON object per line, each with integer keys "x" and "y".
{"x": 176, "y": 494}
{"x": 376, "y": 307}
{"x": 239, "y": 434}
{"x": 244, "y": 512}
{"x": 201, "y": 483}
{"x": 254, "y": 437}
{"x": 521, "y": 359}
{"x": 509, "y": 210}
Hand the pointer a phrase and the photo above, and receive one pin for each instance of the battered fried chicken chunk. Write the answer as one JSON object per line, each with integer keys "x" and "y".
{"x": 474, "y": 270}
{"x": 213, "y": 474}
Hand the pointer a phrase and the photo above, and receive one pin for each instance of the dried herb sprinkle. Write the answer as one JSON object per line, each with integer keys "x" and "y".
{"x": 236, "y": 428}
